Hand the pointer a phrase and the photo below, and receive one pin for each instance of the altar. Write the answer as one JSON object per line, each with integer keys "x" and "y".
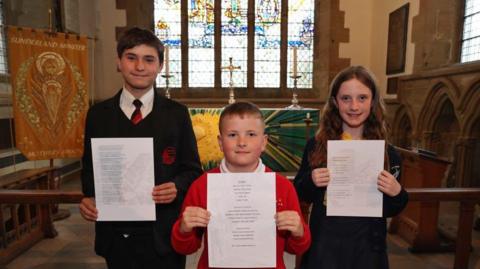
{"x": 287, "y": 130}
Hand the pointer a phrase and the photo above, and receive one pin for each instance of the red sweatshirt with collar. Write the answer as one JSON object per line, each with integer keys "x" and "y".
{"x": 188, "y": 243}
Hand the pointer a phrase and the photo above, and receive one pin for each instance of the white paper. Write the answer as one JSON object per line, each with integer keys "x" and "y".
{"x": 242, "y": 229}
{"x": 354, "y": 167}
{"x": 124, "y": 178}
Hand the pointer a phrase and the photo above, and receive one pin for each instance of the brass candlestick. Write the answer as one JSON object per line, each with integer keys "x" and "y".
{"x": 167, "y": 88}
{"x": 230, "y": 68}
{"x": 294, "y": 104}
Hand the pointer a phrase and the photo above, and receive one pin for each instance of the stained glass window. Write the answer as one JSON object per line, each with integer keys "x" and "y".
{"x": 234, "y": 41}
{"x": 3, "y": 51}
{"x": 300, "y": 36}
{"x": 168, "y": 29}
{"x": 267, "y": 43}
{"x": 471, "y": 32}
{"x": 245, "y": 28}
{"x": 201, "y": 25}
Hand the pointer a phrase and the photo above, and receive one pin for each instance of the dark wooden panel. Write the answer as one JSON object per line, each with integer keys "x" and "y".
{"x": 5, "y": 134}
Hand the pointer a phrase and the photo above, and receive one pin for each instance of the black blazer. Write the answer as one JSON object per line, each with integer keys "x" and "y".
{"x": 173, "y": 132}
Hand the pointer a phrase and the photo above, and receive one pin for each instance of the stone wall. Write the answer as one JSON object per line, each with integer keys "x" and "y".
{"x": 442, "y": 108}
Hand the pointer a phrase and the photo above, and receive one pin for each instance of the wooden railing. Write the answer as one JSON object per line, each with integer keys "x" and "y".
{"x": 43, "y": 198}
{"x": 467, "y": 197}
{"x": 26, "y": 199}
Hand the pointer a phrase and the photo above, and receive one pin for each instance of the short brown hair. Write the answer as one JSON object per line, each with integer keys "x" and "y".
{"x": 240, "y": 109}
{"x": 138, "y": 36}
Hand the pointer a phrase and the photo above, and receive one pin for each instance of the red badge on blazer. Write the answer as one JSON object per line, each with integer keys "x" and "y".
{"x": 168, "y": 155}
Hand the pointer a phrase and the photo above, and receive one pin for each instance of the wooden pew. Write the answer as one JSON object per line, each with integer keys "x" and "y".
{"x": 26, "y": 199}
{"x": 418, "y": 222}
{"x": 467, "y": 197}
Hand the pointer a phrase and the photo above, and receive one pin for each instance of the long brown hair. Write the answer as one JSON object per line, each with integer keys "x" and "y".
{"x": 331, "y": 122}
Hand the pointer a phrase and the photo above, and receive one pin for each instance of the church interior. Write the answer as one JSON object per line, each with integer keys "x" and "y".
{"x": 279, "y": 54}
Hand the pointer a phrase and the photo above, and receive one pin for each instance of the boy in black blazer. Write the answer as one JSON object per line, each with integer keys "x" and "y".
{"x": 137, "y": 111}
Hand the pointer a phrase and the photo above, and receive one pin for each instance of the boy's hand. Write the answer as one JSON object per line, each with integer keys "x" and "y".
{"x": 290, "y": 220}
{"x": 194, "y": 217}
{"x": 388, "y": 184}
{"x": 320, "y": 177}
{"x": 88, "y": 209}
{"x": 164, "y": 193}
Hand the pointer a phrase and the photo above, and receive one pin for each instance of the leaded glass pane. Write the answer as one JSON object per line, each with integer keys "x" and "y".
{"x": 471, "y": 50}
{"x": 471, "y": 27}
{"x": 168, "y": 29}
{"x": 201, "y": 43}
{"x": 234, "y": 41}
{"x": 471, "y": 32}
{"x": 267, "y": 43}
{"x": 3, "y": 51}
{"x": 300, "y": 36}
{"x": 472, "y": 6}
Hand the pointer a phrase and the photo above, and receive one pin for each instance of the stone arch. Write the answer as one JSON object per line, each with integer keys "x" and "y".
{"x": 440, "y": 91}
{"x": 402, "y": 128}
{"x": 468, "y": 146}
{"x": 445, "y": 129}
{"x": 470, "y": 108}
{"x": 439, "y": 128}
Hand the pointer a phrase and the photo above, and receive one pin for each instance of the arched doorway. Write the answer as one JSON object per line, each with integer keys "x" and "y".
{"x": 404, "y": 133}
{"x": 401, "y": 134}
{"x": 445, "y": 131}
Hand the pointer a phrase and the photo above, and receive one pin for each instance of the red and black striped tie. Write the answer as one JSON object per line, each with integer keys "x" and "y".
{"x": 137, "y": 114}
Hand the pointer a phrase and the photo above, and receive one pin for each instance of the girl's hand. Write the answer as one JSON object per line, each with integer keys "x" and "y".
{"x": 320, "y": 177}
{"x": 290, "y": 220}
{"x": 194, "y": 217}
{"x": 388, "y": 184}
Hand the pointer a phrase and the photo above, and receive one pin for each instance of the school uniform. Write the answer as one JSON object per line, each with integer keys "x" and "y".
{"x": 286, "y": 199}
{"x": 175, "y": 160}
{"x": 346, "y": 242}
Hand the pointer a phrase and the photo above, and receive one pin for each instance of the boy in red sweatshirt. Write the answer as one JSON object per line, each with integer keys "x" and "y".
{"x": 242, "y": 141}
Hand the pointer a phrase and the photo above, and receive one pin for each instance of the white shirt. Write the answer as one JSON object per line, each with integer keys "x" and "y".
{"x": 260, "y": 167}
{"x": 127, "y": 106}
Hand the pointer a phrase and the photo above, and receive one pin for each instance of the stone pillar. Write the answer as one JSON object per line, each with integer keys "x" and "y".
{"x": 464, "y": 156}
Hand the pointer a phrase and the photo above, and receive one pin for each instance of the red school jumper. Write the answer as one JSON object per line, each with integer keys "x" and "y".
{"x": 188, "y": 243}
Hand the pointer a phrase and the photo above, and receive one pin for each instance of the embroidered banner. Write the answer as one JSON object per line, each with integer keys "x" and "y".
{"x": 50, "y": 93}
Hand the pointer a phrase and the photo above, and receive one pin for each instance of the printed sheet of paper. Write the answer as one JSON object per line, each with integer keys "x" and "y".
{"x": 354, "y": 168}
{"x": 242, "y": 230}
{"x": 124, "y": 178}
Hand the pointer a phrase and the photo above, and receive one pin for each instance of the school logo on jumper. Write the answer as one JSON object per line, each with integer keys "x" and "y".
{"x": 168, "y": 155}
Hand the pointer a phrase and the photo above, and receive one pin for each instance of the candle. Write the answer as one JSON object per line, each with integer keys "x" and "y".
{"x": 294, "y": 68}
{"x": 308, "y": 115}
{"x": 167, "y": 67}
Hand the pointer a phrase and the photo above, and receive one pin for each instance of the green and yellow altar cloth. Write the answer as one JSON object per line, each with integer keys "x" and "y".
{"x": 287, "y": 130}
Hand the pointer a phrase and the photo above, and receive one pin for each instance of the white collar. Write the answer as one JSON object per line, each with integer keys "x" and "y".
{"x": 260, "y": 167}
{"x": 146, "y": 99}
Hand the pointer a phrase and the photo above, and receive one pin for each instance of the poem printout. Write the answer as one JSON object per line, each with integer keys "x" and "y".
{"x": 354, "y": 167}
{"x": 124, "y": 178}
{"x": 242, "y": 229}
